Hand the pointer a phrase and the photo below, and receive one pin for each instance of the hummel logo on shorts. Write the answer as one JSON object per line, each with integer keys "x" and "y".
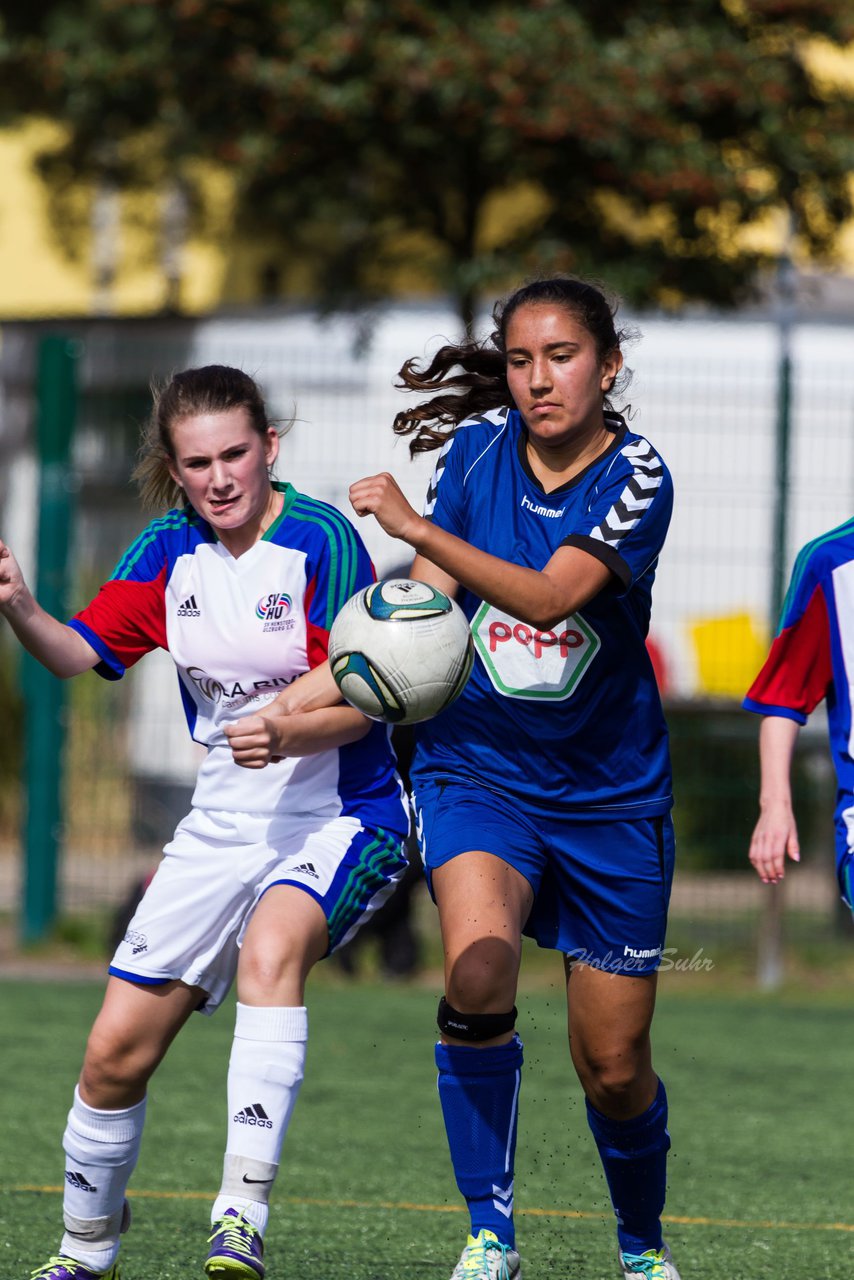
{"x": 77, "y": 1180}
{"x": 254, "y": 1115}
{"x": 307, "y": 869}
{"x": 189, "y": 609}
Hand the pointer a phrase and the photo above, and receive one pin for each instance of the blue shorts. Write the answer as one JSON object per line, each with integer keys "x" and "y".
{"x": 601, "y": 887}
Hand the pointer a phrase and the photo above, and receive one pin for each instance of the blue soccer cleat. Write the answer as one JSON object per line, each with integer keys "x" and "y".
{"x": 65, "y": 1268}
{"x": 236, "y": 1249}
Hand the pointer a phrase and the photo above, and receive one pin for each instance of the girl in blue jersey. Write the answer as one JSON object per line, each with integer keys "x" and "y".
{"x": 543, "y": 793}
{"x": 272, "y": 869}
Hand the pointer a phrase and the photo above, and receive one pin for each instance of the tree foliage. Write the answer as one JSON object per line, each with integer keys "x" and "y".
{"x": 364, "y": 135}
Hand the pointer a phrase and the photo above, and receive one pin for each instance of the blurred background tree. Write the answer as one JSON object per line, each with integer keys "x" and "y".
{"x": 382, "y": 146}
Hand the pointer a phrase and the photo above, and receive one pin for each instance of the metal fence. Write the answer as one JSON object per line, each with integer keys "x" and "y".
{"x": 706, "y": 392}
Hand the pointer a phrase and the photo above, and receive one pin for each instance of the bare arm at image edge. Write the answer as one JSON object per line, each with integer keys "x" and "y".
{"x": 775, "y": 836}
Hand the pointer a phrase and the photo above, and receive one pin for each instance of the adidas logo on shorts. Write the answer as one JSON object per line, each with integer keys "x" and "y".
{"x": 189, "y": 609}
{"x": 254, "y": 1115}
{"x": 306, "y": 869}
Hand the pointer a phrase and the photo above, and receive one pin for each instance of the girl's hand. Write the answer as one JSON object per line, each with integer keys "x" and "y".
{"x": 381, "y": 496}
{"x": 11, "y": 579}
{"x": 775, "y": 838}
{"x": 254, "y": 741}
{"x": 272, "y": 735}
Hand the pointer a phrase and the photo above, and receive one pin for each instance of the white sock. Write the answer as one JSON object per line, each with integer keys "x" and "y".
{"x": 264, "y": 1077}
{"x": 101, "y": 1151}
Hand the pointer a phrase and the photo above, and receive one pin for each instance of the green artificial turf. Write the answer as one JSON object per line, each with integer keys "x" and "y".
{"x": 760, "y": 1171}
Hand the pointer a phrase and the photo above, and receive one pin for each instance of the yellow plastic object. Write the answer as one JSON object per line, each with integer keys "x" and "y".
{"x": 729, "y": 651}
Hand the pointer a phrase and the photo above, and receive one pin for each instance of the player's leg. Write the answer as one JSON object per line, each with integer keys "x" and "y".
{"x": 484, "y": 898}
{"x": 129, "y": 1038}
{"x": 483, "y": 902}
{"x": 609, "y": 1034}
{"x": 330, "y": 880}
{"x": 178, "y": 955}
{"x": 612, "y": 885}
{"x": 285, "y": 937}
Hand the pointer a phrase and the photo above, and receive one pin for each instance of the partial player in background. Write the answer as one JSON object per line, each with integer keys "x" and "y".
{"x": 543, "y": 793}
{"x": 271, "y": 870}
{"x": 812, "y": 658}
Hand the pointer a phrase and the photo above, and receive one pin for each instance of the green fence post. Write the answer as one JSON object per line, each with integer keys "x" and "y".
{"x": 43, "y": 693}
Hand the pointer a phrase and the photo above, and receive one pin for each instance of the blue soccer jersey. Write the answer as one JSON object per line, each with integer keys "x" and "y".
{"x": 568, "y": 718}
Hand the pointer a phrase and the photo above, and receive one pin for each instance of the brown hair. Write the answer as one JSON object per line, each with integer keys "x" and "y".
{"x": 215, "y": 388}
{"x": 482, "y": 382}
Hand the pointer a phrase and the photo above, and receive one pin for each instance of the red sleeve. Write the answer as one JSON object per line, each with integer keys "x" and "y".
{"x": 126, "y": 620}
{"x": 798, "y": 670}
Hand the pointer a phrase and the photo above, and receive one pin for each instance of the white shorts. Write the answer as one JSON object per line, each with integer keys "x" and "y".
{"x": 191, "y": 921}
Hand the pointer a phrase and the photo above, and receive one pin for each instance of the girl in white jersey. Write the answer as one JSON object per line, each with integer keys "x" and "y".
{"x": 271, "y": 870}
{"x": 543, "y": 793}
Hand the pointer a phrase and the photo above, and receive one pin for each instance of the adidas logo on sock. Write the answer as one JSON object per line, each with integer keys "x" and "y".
{"x": 189, "y": 609}
{"x": 306, "y": 869}
{"x": 254, "y": 1115}
{"x": 79, "y": 1181}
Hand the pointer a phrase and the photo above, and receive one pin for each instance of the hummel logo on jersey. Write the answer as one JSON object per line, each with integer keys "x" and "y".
{"x": 189, "y": 609}
{"x": 254, "y": 1115}
{"x": 539, "y": 510}
{"x": 79, "y": 1181}
{"x": 307, "y": 869}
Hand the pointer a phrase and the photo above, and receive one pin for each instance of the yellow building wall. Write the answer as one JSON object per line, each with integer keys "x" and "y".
{"x": 37, "y": 276}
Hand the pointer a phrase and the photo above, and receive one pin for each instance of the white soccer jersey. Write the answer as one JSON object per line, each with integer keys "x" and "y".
{"x": 239, "y": 630}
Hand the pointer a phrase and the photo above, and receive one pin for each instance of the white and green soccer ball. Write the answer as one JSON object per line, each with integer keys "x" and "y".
{"x": 400, "y": 651}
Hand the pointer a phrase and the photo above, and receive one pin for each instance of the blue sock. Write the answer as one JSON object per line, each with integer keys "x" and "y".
{"x": 479, "y": 1092}
{"x": 634, "y": 1156}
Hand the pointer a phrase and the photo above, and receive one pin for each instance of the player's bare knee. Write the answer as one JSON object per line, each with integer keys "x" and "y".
{"x": 481, "y": 994}
{"x": 615, "y": 1081}
{"x": 112, "y": 1090}
{"x": 273, "y": 975}
{"x": 115, "y": 1073}
{"x": 483, "y": 979}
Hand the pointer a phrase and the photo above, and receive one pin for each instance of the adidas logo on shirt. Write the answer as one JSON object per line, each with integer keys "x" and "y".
{"x": 189, "y": 609}
{"x": 79, "y": 1181}
{"x": 254, "y": 1115}
{"x": 307, "y": 869}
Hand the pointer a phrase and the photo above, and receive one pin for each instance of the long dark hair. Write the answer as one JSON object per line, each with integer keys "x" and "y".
{"x": 481, "y": 382}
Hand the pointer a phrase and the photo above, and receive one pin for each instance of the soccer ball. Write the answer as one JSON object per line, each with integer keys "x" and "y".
{"x": 400, "y": 651}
